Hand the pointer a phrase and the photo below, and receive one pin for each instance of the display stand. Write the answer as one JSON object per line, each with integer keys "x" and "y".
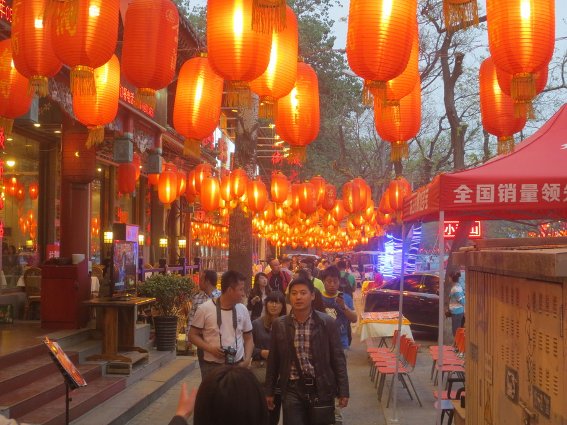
{"x": 73, "y": 378}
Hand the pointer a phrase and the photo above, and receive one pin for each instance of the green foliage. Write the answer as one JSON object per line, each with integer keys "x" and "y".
{"x": 171, "y": 291}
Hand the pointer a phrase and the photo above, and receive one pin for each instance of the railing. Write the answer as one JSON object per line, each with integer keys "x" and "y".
{"x": 182, "y": 268}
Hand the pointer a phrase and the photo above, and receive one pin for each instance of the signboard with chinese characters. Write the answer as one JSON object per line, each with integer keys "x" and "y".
{"x": 450, "y": 229}
{"x": 5, "y": 11}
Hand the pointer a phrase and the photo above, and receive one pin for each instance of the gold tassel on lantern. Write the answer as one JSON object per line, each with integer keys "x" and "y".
{"x": 505, "y": 145}
{"x": 192, "y": 147}
{"x": 376, "y": 89}
{"x": 38, "y": 86}
{"x": 96, "y": 136}
{"x": 237, "y": 94}
{"x": 147, "y": 96}
{"x": 6, "y": 124}
{"x": 268, "y": 16}
{"x": 400, "y": 150}
{"x": 523, "y": 86}
{"x": 83, "y": 81}
{"x": 524, "y": 108}
{"x": 268, "y": 107}
{"x": 460, "y": 14}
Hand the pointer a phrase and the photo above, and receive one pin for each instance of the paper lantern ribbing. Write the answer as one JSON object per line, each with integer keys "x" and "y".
{"x": 399, "y": 124}
{"x": 378, "y": 41}
{"x": 210, "y": 194}
{"x": 307, "y": 198}
{"x": 97, "y": 110}
{"x": 521, "y": 38}
{"x": 149, "y": 50}
{"x": 279, "y": 77}
{"x": 238, "y": 183}
{"x": 298, "y": 120}
{"x": 126, "y": 178}
{"x": 197, "y": 106}
{"x": 256, "y": 195}
{"x": 497, "y": 109}
{"x": 14, "y": 97}
{"x": 167, "y": 186}
{"x": 84, "y": 35}
{"x": 279, "y": 188}
{"x": 32, "y": 50}
{"x": 236, "y": 52}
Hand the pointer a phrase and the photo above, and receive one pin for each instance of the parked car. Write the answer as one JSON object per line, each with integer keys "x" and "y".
{"x": 420, "y": 299}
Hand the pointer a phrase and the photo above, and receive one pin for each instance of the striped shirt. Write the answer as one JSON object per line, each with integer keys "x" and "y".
{"x": 302, "y": 344}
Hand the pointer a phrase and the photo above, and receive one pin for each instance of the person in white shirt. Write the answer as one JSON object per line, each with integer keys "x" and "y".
{"x": 222, "y": 327}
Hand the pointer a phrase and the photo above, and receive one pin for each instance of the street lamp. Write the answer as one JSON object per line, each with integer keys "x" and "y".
{"x": 141, "y": 239}
{"x": 182, "y": 243}
{"x": 107, "y": 237}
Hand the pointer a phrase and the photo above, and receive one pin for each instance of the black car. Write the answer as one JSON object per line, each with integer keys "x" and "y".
{"x": 421, "y": 299}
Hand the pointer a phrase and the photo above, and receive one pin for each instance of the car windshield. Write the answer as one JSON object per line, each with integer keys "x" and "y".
{"x": 415, "y": 283}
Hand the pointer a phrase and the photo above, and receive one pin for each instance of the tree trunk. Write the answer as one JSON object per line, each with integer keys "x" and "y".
{"x": 240, "y": 230}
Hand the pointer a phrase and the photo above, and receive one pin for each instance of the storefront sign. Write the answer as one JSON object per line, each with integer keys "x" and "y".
{"x": 5, "y": 12}
{"x": 51, "y": 251}
{"x": 450, "y": 229}
{"x": 128, "y": 96}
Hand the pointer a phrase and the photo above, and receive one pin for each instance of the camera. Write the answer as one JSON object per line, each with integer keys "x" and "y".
{"x": 229, "y": 355}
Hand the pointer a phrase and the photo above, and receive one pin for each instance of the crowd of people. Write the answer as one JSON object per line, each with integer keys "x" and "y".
{"x": 285, "y": 340}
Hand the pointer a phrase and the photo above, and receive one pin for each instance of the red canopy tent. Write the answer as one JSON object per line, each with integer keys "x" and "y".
{"x": 530, "y": 183}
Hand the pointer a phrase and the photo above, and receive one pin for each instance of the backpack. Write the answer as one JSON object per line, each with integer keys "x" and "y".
{"x": 344, "y": 285}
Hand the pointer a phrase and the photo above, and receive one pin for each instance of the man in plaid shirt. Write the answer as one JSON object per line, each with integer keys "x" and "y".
{"x": 208, "y": 290}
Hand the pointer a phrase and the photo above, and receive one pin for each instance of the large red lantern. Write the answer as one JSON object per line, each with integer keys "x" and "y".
{"x": 256, "y": 195}
{"x": 521, "y": 38}
{"x": 97, "y": 110}
{"x": 330, "y": 197}
{"x": 355, "y": 195}
{"x": 31, "y": 44}
{"x": 398, "y": 124}
{"x": 307, "y": 198}
{"x": 238, "y": 182}
{"x": 197, "y": 106}
{"x": 201, "y": 172}
{"x": 167, "y": 186}
{"x": 225, "y": 188}
{"x": 297, "y": 121}
{"x": 378, "y": 41}
{"x": 126, "y": 178}
{"x": 279, "y": 188}
{"x": 149, "y": 50}
{"x": 236, "y": 52}
{"x": 279, "y": 77}
{"x": 497, "y": 109}
{"x": 398, "y": 189}
{"x": 78, "y": 162}
{"x": 14, "y": 97}
{"x": 84, "y": 35}
{"x": 319, "y": 183}
{"x": 210, "y": 194}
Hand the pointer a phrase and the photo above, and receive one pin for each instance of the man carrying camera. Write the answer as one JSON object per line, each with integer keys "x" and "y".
{"x": 222, "y": 327}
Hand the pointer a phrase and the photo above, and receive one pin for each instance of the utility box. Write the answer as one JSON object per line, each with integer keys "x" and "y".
{"x": 516, "y": 369}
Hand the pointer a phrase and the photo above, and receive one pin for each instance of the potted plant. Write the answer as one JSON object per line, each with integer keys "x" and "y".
{"x": 172, "y": 293}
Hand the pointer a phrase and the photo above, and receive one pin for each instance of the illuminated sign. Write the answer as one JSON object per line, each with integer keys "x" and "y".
{"x": 128, "y": 96}
{"x": 5, "y": 11}
{"x": 450, "y": 229}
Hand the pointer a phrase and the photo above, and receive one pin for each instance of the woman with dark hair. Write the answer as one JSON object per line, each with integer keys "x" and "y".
{"x": 258, "y": 294}
{"x": 275, "y": 306}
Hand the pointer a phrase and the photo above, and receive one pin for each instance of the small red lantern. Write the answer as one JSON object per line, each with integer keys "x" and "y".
{"x": 33, "y": 190}
{"x": 257, "y": 195}
{"x": 307, "y": 198}
{"x": 398, "y": 189}
{"x": 330, "y": 197}
{"x": 225, "y": 190}
{"x": 167, "y": 186}
{"x": 384, "y": 207}
{"x": 238, "y": 182}
{"x": 319, "y": 183}
{"x": 338, "y": 212}
{"x": 202, "y": 171}
{"x": 355, "y": 195}
{"x": 126, "y": 178}
{"x": 181, "y": 182}
{"x": 137, "y": 161}
{"x": 210, "y": 194}
{"x": 279, "y": 188}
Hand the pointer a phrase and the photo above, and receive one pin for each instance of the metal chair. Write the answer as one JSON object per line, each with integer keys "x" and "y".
{"x": 32, "y": 282}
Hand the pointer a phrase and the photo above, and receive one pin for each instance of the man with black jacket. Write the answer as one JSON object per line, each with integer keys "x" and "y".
{"x": 307, "y": 354}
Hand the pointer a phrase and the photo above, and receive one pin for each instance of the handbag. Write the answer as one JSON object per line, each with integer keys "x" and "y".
{"x": 258, "y": 368}
{"x": 321, "y": 412}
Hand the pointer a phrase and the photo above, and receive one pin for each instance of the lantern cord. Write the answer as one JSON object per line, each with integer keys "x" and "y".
{"x": 237, "y": 94}
{"x": 268, "y": 107}
{"x": 83, "y": 81}
{"x": 192, "y": 147}
{"x": 460, "y": 14}
{"x": 524, "y": 109}
{"x": 269, "y": 16}
{"x": 146, "y": 96}
{"x": 6, "y": 124}
{"x": 523, "y": 86}
{"x": 38, "y": 86}
{"x": 400, "y": 150}
{"x": 505, "y": 145}
{"x": 298, "y": 154}
{"x": 95, "y": 137}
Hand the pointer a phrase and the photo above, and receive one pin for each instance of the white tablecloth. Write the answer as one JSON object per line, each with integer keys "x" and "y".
{"x": 95, "y": 284}
{"x": 382, "y": 330}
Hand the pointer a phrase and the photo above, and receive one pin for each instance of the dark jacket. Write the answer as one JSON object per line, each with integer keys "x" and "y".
{"x": 328, "y": 357}
{"x": 178, "y": 420}
{"x": 261, "y": 337}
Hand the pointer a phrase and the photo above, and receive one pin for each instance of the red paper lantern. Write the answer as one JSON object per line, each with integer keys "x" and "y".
{"x": 97, "y": 110}
{"x": 137, "y": 161}
{"x": 225, "y": 189}
{"x": 521, "y": 38}
{"x": 149, "y": 50}
{"x": 338, "y": 212}
{"x": 14, "y": 97}
{"x": 497, "y": 109}
{"x": 401, "y": 86}
{"x": 398, "y": 189}
{"x": 33, "y": 52}
{"x": 210, "y": 194}
{"x": 167, "y": 186}
{"x": 84, "y": 35}
{"x": 257, "y": 195}
{"x": 298, "y": 120}
{"x": 294, "y": 196}
{"x": 319, "y": 183}
{"x": 398, "y": 124}
{"x": 279, "y": 188}
{"x": 378, "y": 40}
{"x": 279, "y": 77}
{"x": 307, "y": 198}
{"x": 384, "y": 207}
{"x": 238, "y": 182}
{"x": 181, "y": 182}
{"x": 355, "y": 195}
{"x": 236, "y": 52}
{"x": 522, "y": 106}
{"x": 33, "y": 190}
{"x": 126, "y": 178}
{"x": 201, "y": 172}
{"x": 197, "y": 106}
{"x": 330, "y": 197}
{"x": 78, "y": 162}
{"x": 153, "y": 179}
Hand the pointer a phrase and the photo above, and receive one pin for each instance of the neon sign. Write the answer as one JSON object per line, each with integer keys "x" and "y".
{"x": 129, "y": 97}
{"x": 5, "y": 11}
{"x": 450, "y": 229}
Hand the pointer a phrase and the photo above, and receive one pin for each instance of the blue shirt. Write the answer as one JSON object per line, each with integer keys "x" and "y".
{"x": 457, "y": 300}
{"x": 333, "y": 310}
